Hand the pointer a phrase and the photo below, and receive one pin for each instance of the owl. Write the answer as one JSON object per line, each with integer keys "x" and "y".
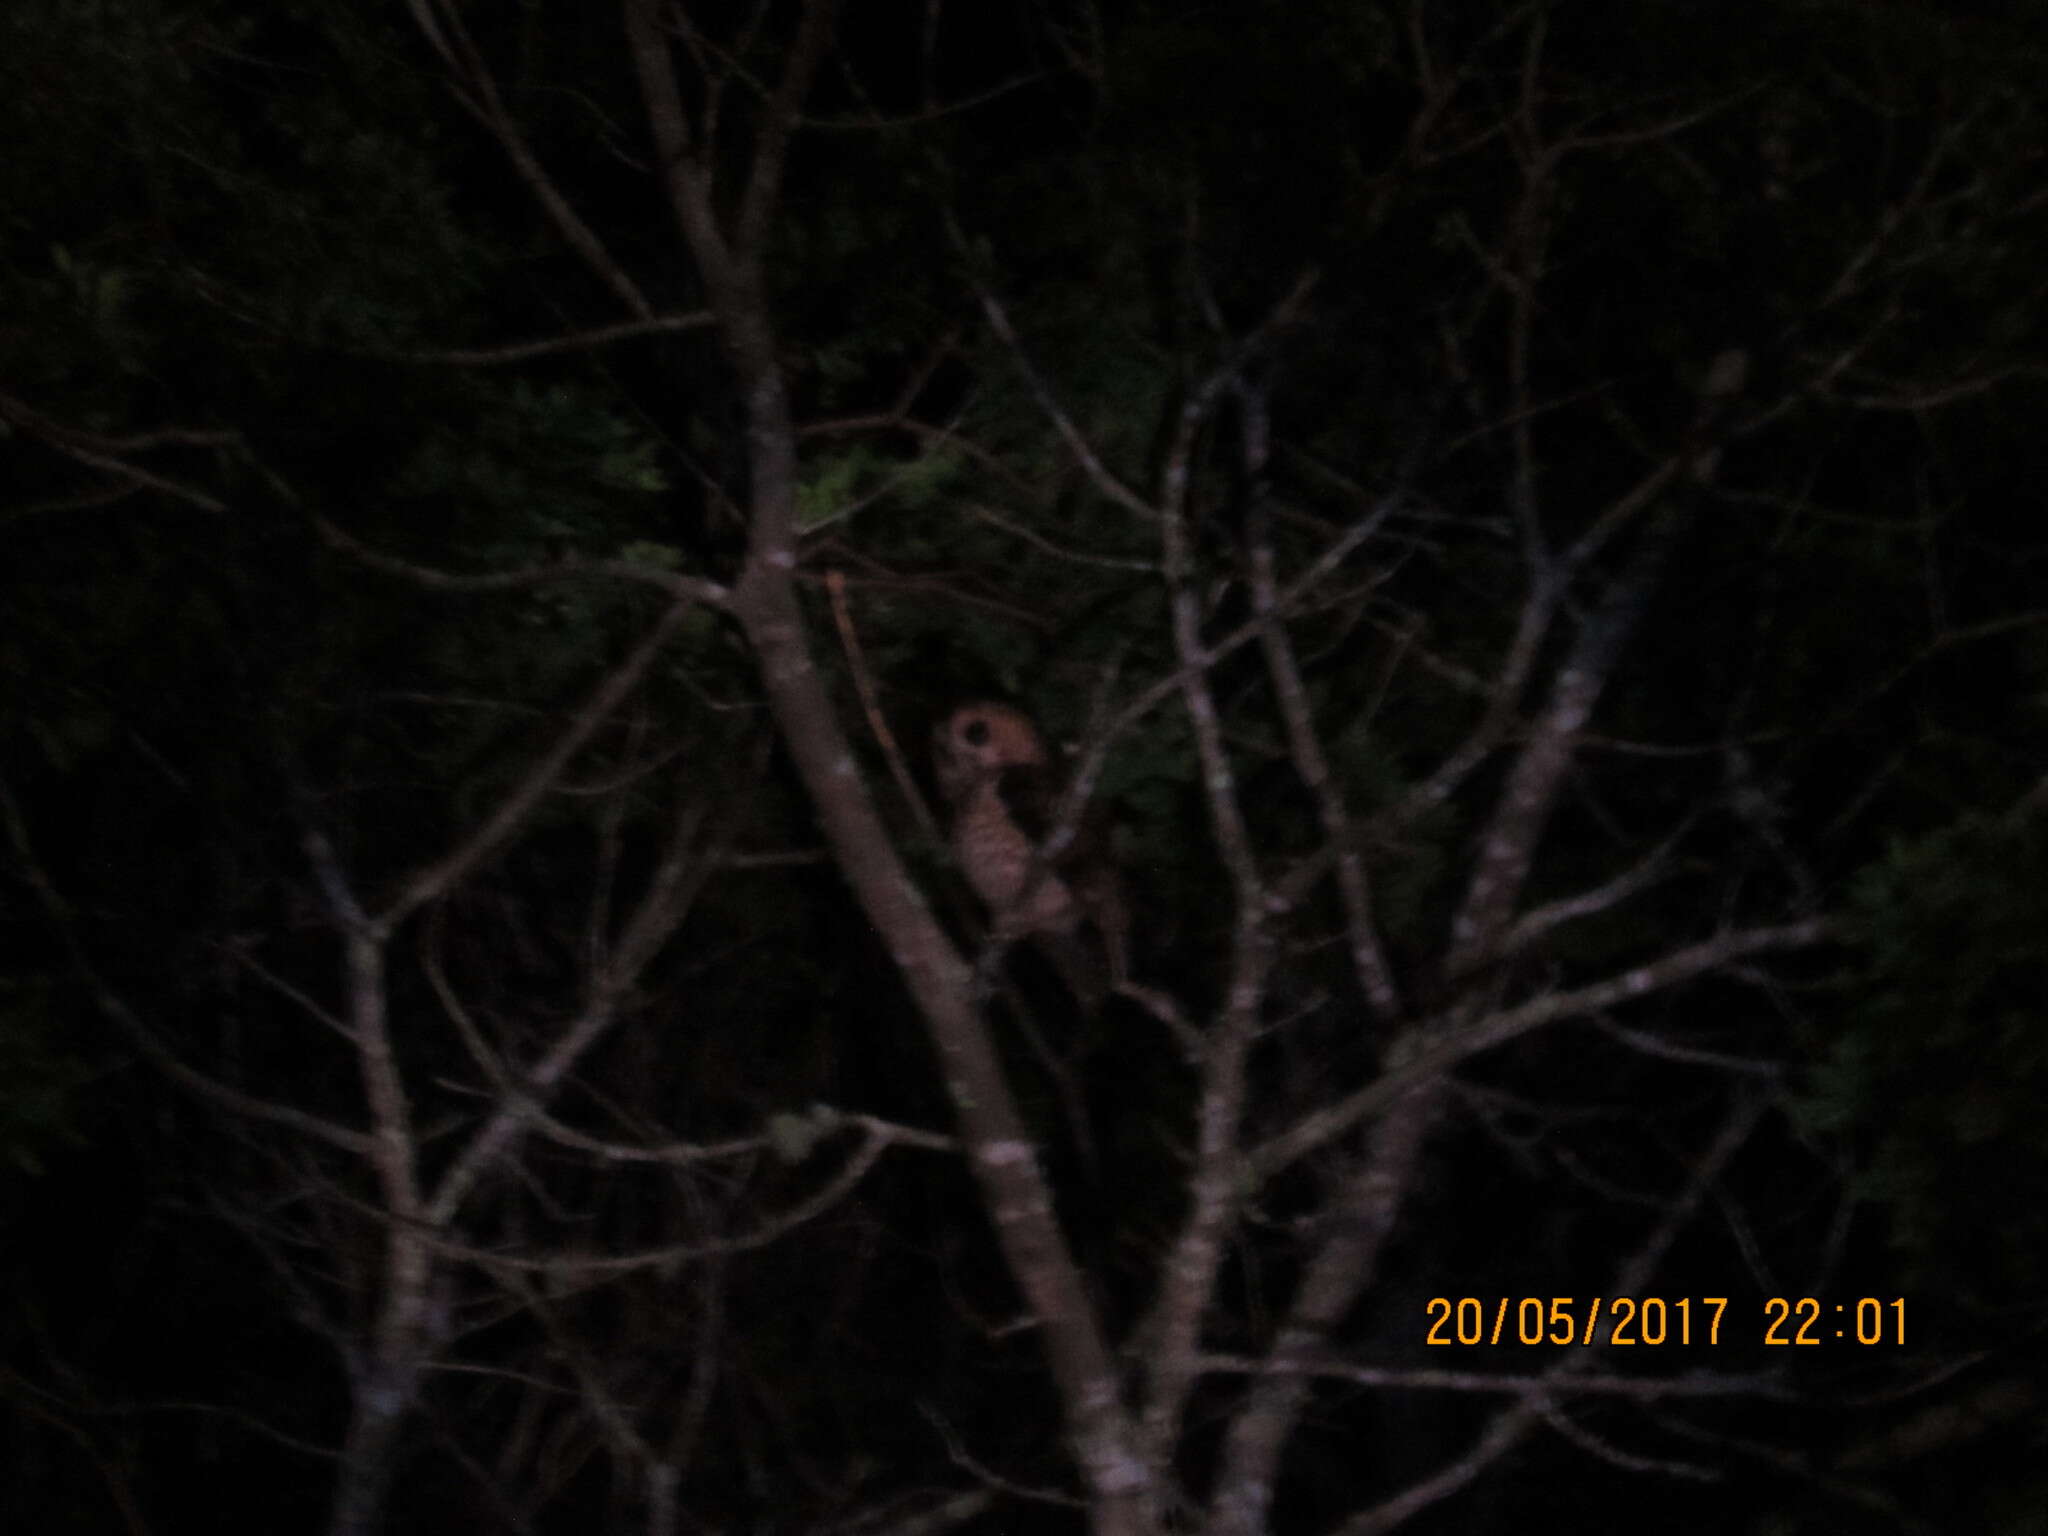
{"x": 998, "y": 777}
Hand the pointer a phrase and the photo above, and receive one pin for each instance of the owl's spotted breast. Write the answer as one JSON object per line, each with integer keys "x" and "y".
{"x": 997, "y": 776}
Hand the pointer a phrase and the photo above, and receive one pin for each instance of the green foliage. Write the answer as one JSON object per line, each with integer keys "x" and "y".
{"x": 549, "y": 451}
{"x": 39, "y": 1081}
{"x": 793, "y": 1137}
{"x": 1941, "y": 1070}
{"x": 828, "y": 487}
{"x": 102, "y": 297}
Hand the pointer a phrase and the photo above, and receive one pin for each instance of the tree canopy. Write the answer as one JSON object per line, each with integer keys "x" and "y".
{"x": 1514, "y": 527}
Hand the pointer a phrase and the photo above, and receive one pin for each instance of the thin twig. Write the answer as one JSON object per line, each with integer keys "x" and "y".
{"x": 864, "y": 684}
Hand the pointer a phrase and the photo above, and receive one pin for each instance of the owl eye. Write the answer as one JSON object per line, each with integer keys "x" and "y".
{"x": 976, "y": 733}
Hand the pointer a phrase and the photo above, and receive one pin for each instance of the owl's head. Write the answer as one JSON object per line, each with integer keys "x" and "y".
{"x": 977, "y": 742}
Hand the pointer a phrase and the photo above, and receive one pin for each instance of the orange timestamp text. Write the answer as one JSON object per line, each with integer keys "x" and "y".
{"x": 1625, "y": 1321}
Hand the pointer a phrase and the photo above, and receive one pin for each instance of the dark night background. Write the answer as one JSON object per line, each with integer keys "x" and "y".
{"x": 457, "y": 1070}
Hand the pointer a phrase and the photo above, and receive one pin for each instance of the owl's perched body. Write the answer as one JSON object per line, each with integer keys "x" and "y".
{"x": 995, "y": 772}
